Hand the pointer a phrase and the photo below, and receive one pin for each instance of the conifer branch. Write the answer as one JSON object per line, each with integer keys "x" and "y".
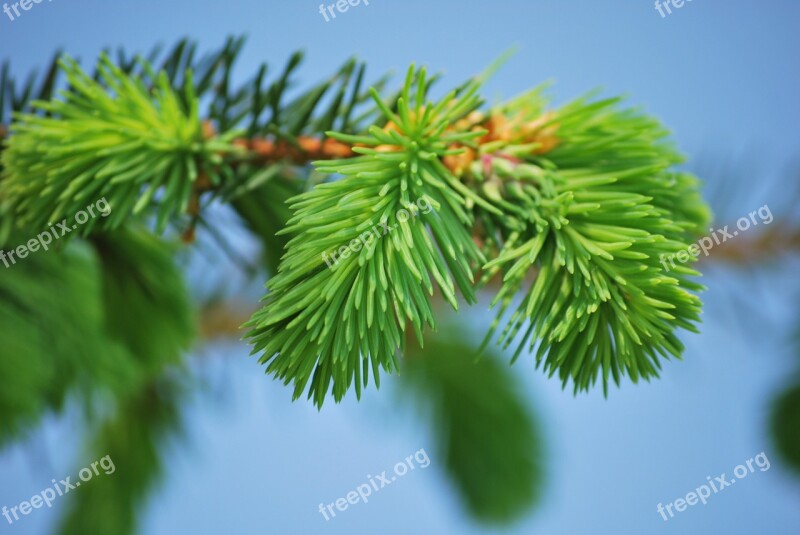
{"x": 338, "y": 323}
{"x": 569, "y": 208}
{"x": 113, "y": 142}
{"x": 583, "y": 197}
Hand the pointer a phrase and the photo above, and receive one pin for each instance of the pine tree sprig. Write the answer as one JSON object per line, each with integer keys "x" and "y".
{"x": 573, "y": 208}
{"x": 325, "y": 324}
{"x": 592, "y": 218}
{"x": 114, "y": 139}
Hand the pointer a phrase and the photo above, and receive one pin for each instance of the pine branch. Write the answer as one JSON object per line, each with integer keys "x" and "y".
{"x": 583, "y": 197}
{"x": 581, "y": 200}
{"x": 123, "y": 147}
{"x": 591, "y": 217}
{"x": 337, "y": 323}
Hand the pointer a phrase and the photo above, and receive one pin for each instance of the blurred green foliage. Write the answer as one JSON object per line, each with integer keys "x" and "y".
{"x": 490, "y": 441}
{"x": 135, "y": 438}
{"x": 785, "y": 426}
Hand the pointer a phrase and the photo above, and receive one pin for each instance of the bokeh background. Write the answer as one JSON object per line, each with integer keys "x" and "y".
{"x": 721, "y": 75}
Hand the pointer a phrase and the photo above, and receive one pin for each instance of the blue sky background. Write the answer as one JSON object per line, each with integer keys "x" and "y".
{"x": 722, "y": 75}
